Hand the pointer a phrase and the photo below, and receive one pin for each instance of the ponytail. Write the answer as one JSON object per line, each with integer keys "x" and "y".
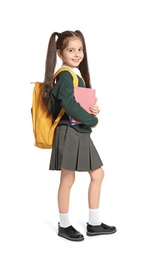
{"x": 49, "y": 71}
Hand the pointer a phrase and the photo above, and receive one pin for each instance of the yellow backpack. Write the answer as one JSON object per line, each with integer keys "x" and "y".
{"x": 43, "y": 126}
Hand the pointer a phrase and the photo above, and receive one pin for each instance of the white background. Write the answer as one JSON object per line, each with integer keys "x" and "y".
{"x": 122, "y": 39}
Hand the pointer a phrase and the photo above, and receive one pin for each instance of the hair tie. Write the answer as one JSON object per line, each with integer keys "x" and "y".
{"x": 58, "y": 34}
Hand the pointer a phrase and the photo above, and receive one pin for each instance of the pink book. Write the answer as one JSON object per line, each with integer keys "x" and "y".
{"x": 86, "y": 97}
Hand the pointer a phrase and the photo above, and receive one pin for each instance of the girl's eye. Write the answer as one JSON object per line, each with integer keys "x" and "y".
{"x": 71, "y": 50}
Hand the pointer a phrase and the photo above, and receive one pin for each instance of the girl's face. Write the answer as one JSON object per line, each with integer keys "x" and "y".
{"x": 73, "y": 54}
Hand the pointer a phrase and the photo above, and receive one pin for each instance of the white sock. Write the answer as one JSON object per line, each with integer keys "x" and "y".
{"x": 94, "y": 217}
{"x": 64, "y": 220}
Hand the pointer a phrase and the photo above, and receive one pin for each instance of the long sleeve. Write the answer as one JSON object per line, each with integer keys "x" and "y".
{"x": 63, "y": 97}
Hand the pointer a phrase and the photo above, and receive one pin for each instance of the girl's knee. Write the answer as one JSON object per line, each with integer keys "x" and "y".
{"x": 67, "y": 177}
{"x": 97, "y": 175}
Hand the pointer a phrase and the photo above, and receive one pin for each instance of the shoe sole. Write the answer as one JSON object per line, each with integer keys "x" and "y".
{"x": 71, "y": 239}
{"x": 100, "y": 233}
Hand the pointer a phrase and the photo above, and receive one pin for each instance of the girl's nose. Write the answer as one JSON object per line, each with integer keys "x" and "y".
{"x": 76, "y": 53}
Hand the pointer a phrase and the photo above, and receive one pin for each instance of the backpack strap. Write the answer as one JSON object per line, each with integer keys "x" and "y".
{"x": 75, "y": 78}
{"x": 75, "y": 83}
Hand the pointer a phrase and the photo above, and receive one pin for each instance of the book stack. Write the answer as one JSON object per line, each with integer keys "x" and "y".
{"x": 86, "y": 97}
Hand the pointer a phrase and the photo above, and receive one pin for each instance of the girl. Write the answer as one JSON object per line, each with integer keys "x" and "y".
{"x": 73, "y": 149}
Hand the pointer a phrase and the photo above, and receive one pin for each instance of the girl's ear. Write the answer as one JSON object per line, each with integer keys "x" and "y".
{"x": 58, "y": 52}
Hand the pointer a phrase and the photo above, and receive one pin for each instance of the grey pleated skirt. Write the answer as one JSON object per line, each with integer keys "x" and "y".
{"x": 73, "y": 151}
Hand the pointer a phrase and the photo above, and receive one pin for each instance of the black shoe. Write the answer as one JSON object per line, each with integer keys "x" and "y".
{"x": 102, "y": 229}
{"x": 70, "y": 233}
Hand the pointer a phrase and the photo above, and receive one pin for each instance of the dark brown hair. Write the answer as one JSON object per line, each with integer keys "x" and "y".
{"x": 51, "y": 59}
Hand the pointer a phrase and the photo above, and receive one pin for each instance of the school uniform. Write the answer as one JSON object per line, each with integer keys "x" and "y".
{"x": 73, "y": 148}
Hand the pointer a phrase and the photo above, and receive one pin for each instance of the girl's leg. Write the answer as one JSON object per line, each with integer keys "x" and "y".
{"x": 65, "y": 229}
{"x": 95, "y": 188}
{"x": 94, "y": 225}
{"x": 66, "y": 181}
{"x": 94, "y": 195}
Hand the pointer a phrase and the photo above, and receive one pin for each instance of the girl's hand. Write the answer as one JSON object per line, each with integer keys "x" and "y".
{"x": 95, "y": 109}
